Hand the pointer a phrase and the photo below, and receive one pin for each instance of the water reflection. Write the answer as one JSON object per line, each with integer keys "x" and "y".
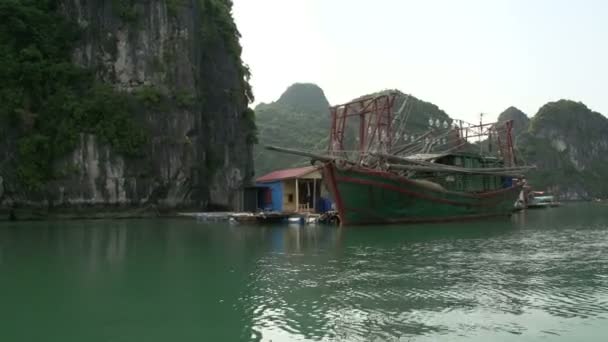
{"x": 393, "y": 283}
{"x": 537, "y": 274}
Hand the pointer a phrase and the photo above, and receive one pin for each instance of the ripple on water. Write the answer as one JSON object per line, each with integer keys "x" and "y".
{"x": 435, "y": 287}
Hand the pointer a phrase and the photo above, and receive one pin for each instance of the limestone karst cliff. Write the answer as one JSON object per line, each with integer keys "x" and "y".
{"x": 298, "y": 119}
{"x": 156, "y": 116}
{"x": 568, "y": 142}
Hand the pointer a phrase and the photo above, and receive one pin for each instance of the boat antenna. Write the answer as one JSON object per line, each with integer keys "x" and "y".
{"x": 480, "y": 133}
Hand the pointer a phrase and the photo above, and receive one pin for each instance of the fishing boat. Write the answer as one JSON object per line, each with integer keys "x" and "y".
{"x": 377, "y": 174}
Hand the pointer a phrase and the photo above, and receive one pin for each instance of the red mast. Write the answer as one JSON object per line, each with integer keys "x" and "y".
{"x": 375, "y": 116}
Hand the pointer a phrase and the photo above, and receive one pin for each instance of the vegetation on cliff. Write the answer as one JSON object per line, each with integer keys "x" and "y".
{"x": 519, "y": 118}
{"x": 306, "y": 97}
{"x": 45, "y": 100}
{"x": 416, "y": 113}
{"x": 299, "y": 119}
{"x": 565, "y": 140}
{"x": 219, "y": 30}
{"x": 568, "y": 143}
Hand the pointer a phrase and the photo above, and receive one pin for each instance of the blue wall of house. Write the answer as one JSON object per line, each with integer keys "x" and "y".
{"x": 276, "y": 189}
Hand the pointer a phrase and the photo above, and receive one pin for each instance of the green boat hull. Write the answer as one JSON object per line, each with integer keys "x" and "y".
{"x": 365, "y": 196}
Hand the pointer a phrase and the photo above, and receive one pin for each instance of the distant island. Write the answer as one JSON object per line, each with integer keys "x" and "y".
{"x": 567, "y": 141}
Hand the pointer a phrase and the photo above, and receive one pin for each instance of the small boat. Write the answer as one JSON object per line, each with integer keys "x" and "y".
{"x": 272, "y": 217}
{"x": 260, "y": 218}
{"x": 304, "y": 219}
{"x": 539, "y": 200}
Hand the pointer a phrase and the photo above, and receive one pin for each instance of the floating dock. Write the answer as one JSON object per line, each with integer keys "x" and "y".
{"x": 257, "y": 218}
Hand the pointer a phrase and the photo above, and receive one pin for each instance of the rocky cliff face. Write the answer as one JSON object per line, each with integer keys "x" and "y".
{"x": 568, "y": 143}
{"x": 182, "y": 63}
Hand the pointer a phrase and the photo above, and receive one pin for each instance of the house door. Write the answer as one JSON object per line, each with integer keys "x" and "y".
{"x": 307, "y": 194}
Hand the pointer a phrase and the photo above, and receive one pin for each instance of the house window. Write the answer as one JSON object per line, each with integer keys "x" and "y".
{"x": 290, "y": 198}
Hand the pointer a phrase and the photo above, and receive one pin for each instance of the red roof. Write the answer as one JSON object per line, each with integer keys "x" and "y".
{"x": 286, "y": 174}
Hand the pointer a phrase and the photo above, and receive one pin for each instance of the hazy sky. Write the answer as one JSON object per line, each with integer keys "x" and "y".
{"x": 466, "y": 56}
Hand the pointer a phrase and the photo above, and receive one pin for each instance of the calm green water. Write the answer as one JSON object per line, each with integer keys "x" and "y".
{"x": 541, "y": 276}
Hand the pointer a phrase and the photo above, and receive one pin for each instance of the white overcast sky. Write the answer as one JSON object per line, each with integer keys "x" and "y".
{"x": 466, "y": 56}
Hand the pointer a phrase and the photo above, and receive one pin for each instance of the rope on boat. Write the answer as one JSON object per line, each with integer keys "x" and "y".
{"x": 413, "y": 143}
{"x": 488, "y": 172}
{"x": 315, "y": 156}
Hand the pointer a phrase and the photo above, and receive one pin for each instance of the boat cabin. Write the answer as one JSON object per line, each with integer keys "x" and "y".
{"x": 297, "y": 190}
{"x": 460, "y": 181}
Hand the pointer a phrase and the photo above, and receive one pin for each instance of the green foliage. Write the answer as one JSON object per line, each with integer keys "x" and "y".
{"x": 290, "y": 123}
{"x": 220, "y": 37}
{"x": 173, "y": 7}
{"x": 300, "y": 119}
{"x": 213, "y": 161}
{"x": 218, "y": 31}
{"x": 218, "y": 25}
{"x": 184, "y": 99}
{"x": 567, "y": 115}
{"x": 149, "y": 95}
{"x": 250, "y": 126}
{"x": 157, "y": 64}
{"x": 108, "y": 114}
{"x": 245, "y": 78}
{"x": 305, "y": 97}
{"x": 580, "y": 162}
{"x": 419, "y": 112}
{"x": 521, "y": 122}
{"x": 554, "y": 165}
{"x": 416, "y": 112}
{"x": 48, "y": 100}
{"x": 125, "y": 9}
{"x": 36, "y": 153}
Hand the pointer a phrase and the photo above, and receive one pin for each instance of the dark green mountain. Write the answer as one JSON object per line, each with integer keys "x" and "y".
{"x": 521, "y": 123}
{"x": 305, "y": 97}
{"x": 416, "y": 113}
{"x": 299, "y": 119}
{"x": 519, "y": 118}
{"x": 568, "y": 143}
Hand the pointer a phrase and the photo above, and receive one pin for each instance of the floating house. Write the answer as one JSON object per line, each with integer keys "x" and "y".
{"x": 297, "y": 190}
